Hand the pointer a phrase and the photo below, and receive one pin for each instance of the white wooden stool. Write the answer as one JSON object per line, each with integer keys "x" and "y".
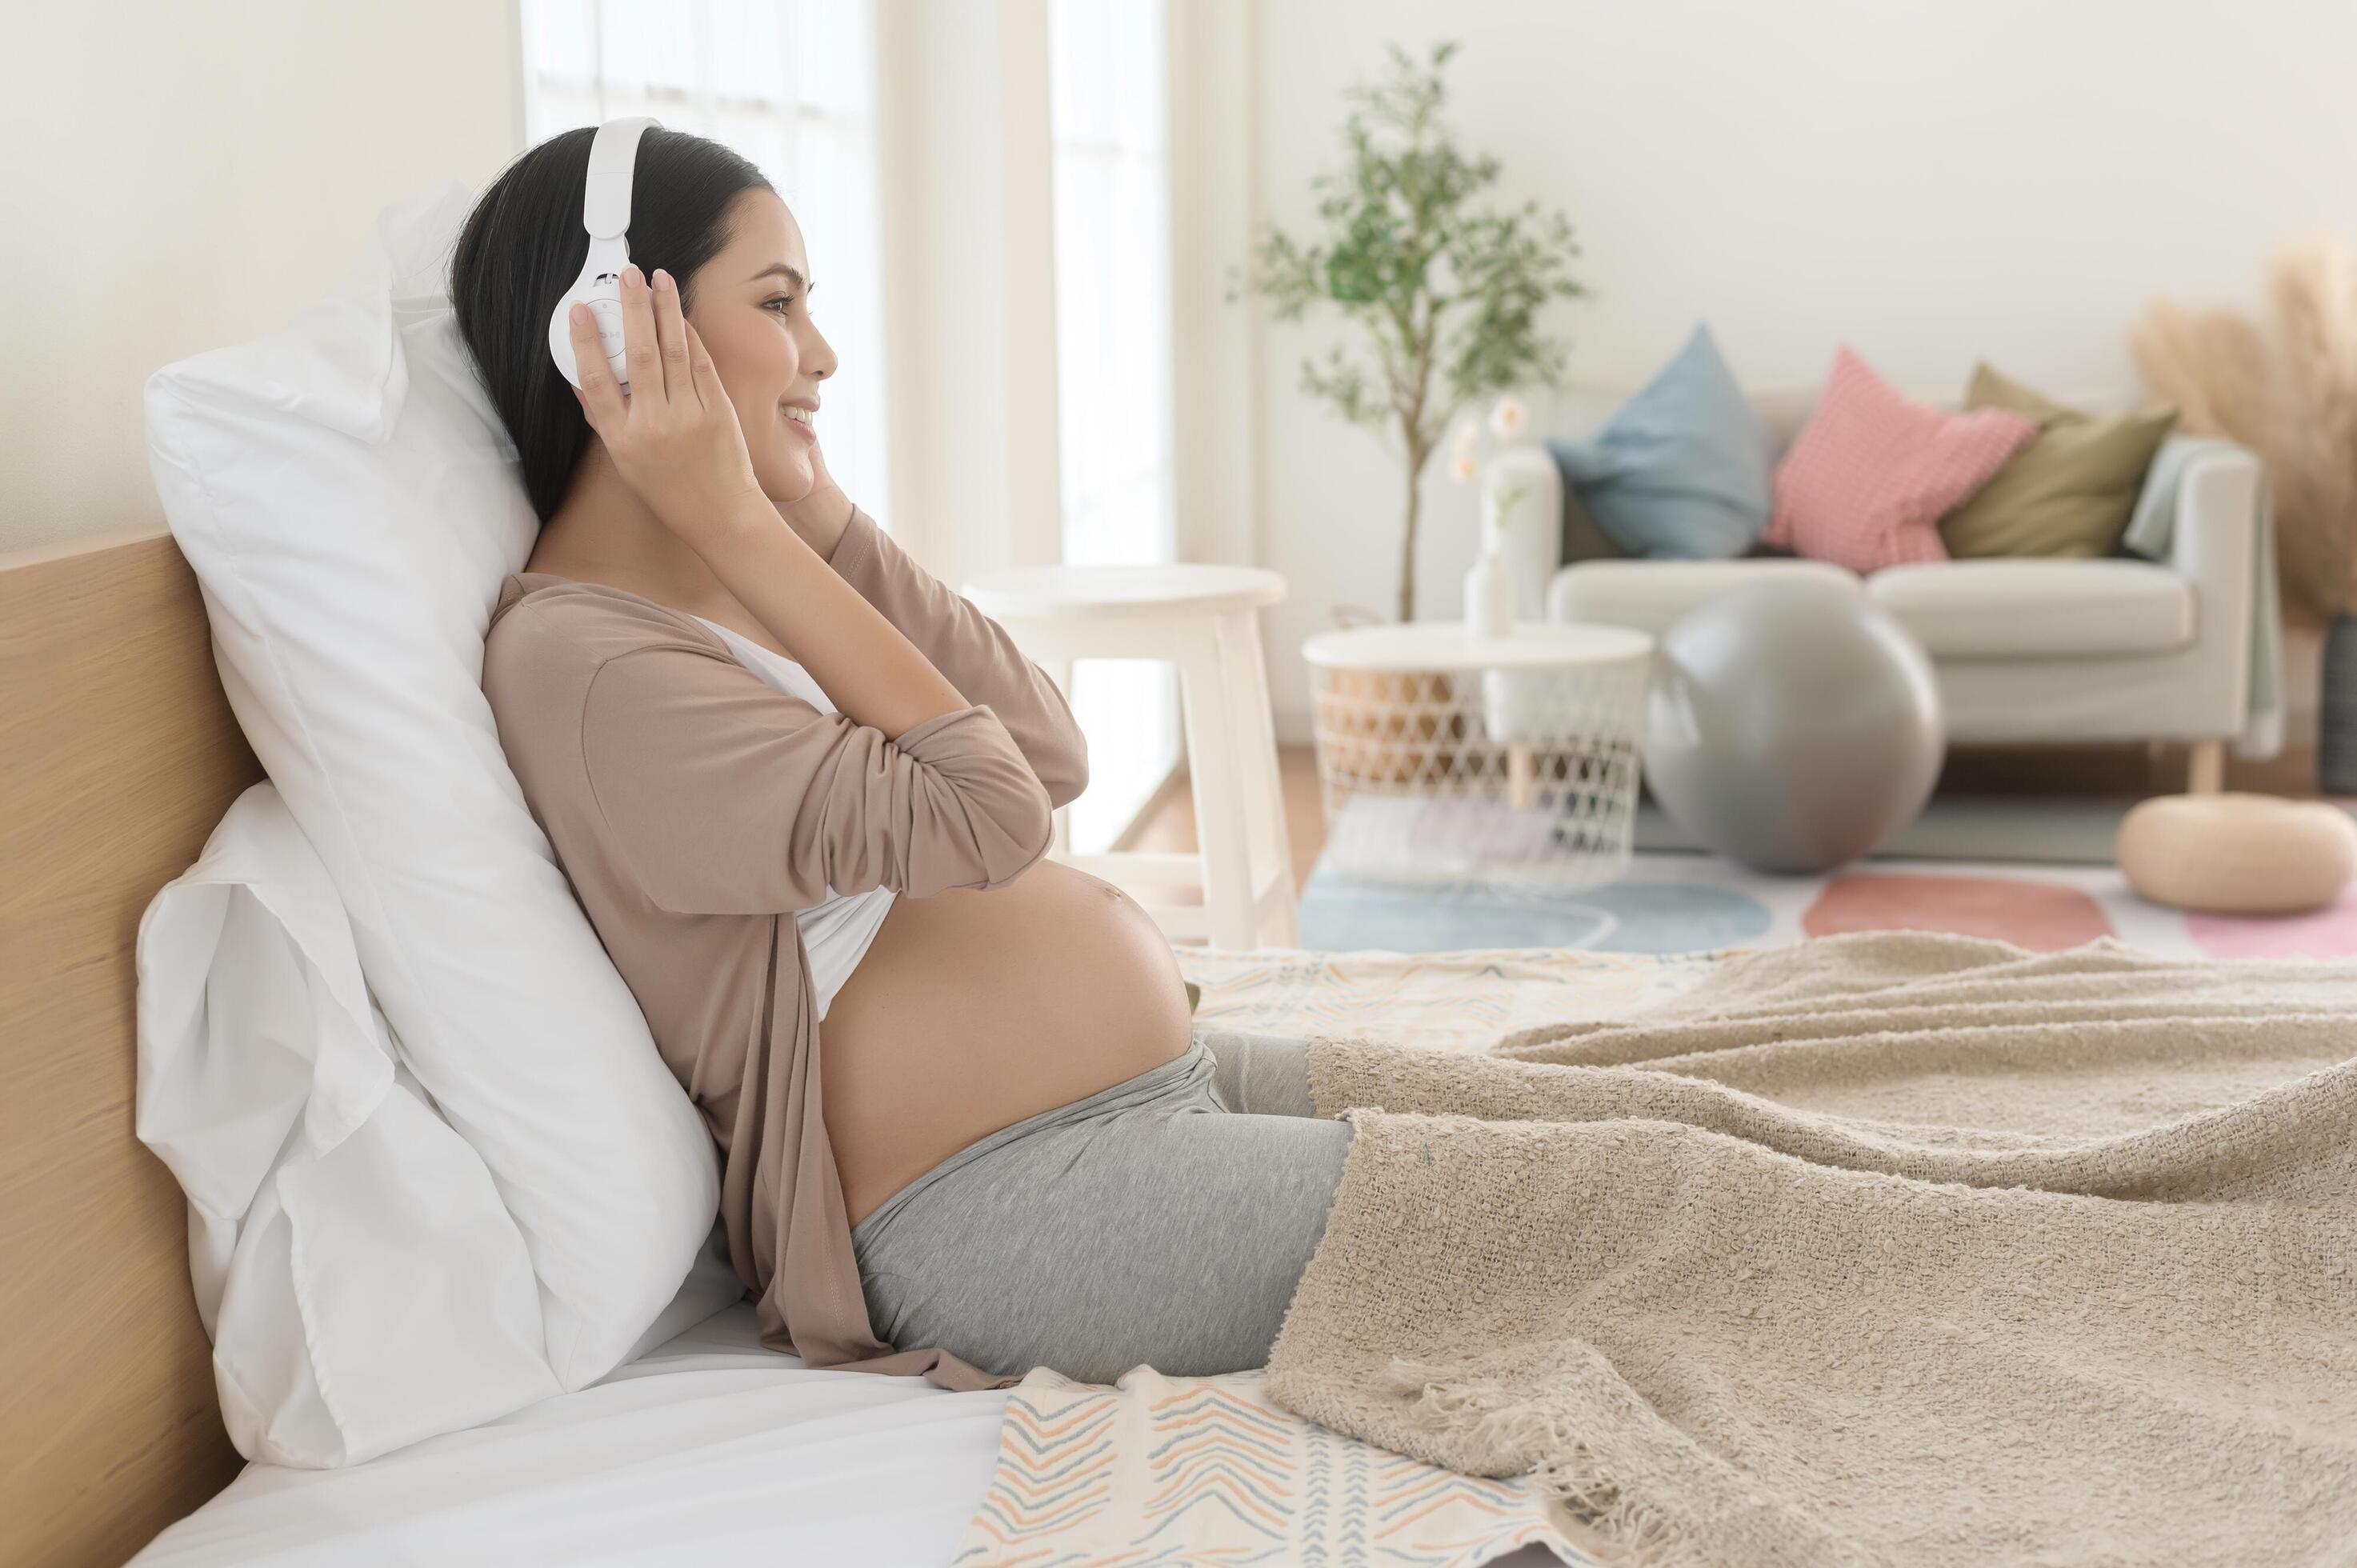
{"x": 1205, "y": 621}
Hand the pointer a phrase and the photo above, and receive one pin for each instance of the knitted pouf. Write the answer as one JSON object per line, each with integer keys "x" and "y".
{"x": 2238, "y": 854}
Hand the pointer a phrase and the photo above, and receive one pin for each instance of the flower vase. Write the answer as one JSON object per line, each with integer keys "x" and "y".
{"x": 1509, "y": 701}
{"x": 1488, "y": 597}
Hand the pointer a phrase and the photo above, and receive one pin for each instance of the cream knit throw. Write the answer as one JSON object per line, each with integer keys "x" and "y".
{"x": 1892, "y": 1247}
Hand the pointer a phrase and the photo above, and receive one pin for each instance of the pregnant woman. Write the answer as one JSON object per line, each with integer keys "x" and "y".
{"x": 802, "y": 791}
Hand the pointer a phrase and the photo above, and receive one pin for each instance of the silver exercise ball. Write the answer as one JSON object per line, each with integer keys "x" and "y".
{"x": 1791, "y": 726}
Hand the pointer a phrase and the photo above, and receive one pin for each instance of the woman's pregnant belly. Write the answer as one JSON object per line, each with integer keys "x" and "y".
{"x": 974, "y": 1010}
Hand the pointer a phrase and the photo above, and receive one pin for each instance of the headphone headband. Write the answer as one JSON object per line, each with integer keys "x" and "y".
{"x": 613, "y": 160}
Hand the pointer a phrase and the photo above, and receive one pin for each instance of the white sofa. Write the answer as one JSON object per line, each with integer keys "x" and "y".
{"x": 2025, "y": 650}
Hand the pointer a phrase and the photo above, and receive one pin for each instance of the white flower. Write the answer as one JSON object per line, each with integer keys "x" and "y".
{"x": 1469, "y": 437}
{"x": 1508, "y": 417}
{"x": 1463, "y": 469}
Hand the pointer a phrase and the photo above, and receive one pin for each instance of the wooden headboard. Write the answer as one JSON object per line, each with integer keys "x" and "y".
{"x": 118, "y": 754}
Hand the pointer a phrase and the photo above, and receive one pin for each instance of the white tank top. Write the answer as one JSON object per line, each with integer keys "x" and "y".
{"x": 836, "y": 933}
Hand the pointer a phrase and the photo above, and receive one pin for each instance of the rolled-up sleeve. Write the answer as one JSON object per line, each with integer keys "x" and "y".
{"x": 723, "y": 795}
{"x": 974, "y": 651}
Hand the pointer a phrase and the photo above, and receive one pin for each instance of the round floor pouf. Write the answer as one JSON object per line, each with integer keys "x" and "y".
{"x": 1792, "y": 725}
{"x": 2238, "y": 854}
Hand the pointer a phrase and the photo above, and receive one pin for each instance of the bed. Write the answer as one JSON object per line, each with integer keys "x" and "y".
{"x": 125, "y": 756}
{"x": 707, "y": 1449}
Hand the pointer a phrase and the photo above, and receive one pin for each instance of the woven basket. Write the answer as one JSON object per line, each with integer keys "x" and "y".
{"x": 1380, "y": 724}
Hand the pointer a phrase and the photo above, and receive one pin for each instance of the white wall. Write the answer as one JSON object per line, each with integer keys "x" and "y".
{"x": 2012, "y": 180}
{"x": 969, "y": 290}
{"x": 1215, "y": 344}
{"x": 180, "y": 177}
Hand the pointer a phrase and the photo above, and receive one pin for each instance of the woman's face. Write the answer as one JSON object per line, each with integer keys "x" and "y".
{"x": 752, "y": 309}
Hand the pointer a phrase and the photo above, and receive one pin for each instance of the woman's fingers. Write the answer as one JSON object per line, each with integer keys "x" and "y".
{"x": 705, "y": 379}
{"x": 601, "y": 396}
{"x": 641, "y": 349}
{"x": 671, "y": 328}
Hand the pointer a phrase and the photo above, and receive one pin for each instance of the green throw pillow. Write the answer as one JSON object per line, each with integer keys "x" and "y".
{"x": 2068, "y": 494}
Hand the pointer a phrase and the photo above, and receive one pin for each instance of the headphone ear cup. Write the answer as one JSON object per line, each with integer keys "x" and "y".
{"x": 603, "y": 295}
{"x": 605, "y": 302}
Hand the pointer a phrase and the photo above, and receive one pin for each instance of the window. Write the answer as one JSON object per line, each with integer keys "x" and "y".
{"x": 792, "y": 85}
{"x": 1110, "y": 125}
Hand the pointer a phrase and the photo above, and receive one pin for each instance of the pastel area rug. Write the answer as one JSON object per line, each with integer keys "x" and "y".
{"x": 2039, "y": 879}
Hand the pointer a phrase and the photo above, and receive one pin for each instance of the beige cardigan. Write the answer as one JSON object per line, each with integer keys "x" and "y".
{"x": 695, "y": 807}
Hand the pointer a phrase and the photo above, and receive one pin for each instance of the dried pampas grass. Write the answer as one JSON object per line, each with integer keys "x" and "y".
{"x": 2287, "y": 390}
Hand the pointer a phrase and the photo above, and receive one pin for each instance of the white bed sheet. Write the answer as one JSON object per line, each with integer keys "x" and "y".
{"x": 709, "y": 1444}
{"x": 707, "y": 1449}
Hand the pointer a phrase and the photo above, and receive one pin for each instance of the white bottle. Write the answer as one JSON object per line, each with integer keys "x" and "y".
{"x": 1488, "y": 597}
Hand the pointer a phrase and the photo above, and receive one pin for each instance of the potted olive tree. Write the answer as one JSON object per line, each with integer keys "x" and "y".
{"x": 1446, "y": 290}
{"x": 1445, "y": 287}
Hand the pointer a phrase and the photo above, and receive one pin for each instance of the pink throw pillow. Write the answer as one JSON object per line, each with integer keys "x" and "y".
{"x": 1865, "y": 483}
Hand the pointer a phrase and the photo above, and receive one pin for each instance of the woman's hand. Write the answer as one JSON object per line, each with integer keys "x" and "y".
{"x": 820, "y": 516}
{"x": 674, "y": 435}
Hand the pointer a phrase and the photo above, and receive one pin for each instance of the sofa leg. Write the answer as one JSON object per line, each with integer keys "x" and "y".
{"x": 2205, "y": 772}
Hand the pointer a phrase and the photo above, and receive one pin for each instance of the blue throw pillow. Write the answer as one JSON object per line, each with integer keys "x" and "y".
{"x": 1682, "y": 472}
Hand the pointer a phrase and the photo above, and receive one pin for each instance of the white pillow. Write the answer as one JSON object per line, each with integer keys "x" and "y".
{"x": 361, "y": 1281}
{"x": 350, "y": 502}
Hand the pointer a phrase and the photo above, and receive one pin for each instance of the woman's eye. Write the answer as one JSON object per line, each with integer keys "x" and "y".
{"x": 782, "y": 304}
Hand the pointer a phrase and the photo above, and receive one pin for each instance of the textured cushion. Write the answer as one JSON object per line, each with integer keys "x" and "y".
{"x": 1867, "y": 481}
{"x": 1650, "y": 596}
{"x": 1680, "y": 472}
{"x": 2069, "y": 493}
{"x": 2238, "y": 854}
{"x": 2029, "y": 610}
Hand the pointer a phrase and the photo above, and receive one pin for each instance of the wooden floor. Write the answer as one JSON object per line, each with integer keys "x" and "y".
{"x": 1169, "y": 821}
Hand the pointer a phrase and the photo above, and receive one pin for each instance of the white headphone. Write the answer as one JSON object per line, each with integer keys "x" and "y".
{"x": 605, "y": 213}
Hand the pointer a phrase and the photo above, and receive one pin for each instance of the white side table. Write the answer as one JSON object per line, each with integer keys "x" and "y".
{"x": 1205, "y": 621}
{"x": 1441, "y": 754}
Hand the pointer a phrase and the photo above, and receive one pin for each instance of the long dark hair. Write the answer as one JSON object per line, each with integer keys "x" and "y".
{"x": 523, "y": 247}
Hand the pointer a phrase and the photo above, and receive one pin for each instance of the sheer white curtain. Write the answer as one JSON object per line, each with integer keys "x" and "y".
{"x": 1108, "y": 62}
{"x": 790, "y": 84}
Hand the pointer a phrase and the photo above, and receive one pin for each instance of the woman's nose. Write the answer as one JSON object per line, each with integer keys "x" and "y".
{"x": 820, "y": 356}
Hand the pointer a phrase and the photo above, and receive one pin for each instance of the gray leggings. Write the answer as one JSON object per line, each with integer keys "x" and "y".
{"x": 1165, "y": 1219}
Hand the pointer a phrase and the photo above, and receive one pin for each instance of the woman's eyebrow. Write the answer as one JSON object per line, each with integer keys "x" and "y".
{"x": 780, "y": 269}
